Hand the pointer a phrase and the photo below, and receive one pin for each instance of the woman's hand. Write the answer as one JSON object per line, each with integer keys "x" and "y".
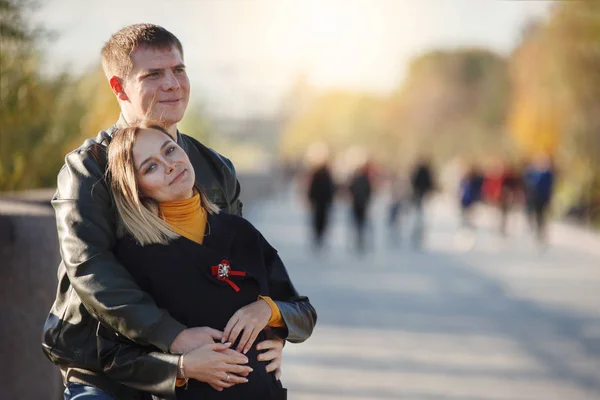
{"x": 250, "y": 319}
{"x": 217, "y": 365}
{"x": 272, "y": 351}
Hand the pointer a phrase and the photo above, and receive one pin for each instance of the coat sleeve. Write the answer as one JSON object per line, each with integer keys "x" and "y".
{"x": 86, "y": 222}
{"x": 143, "y": 368}
{"x": 298, "y": 314}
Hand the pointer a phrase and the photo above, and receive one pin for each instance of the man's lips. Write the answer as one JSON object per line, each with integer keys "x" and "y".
{"x": 178, "y": 177}
{"x": 174, "y": 101}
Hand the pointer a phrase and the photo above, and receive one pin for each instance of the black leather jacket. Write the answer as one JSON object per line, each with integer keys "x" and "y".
{"x": 93, "y": 286}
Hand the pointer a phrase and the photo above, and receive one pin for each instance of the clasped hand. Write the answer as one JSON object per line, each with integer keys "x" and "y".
{"x": 217, "y": 364}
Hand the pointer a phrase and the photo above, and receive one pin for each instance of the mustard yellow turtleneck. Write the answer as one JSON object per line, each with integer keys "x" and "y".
{"x": 188, "y": 218}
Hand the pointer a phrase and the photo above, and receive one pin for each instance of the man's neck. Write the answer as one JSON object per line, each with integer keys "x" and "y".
{"x": 172, "y": 131}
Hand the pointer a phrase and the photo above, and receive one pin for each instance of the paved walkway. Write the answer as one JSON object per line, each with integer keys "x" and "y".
{"x": 500, "y": 321}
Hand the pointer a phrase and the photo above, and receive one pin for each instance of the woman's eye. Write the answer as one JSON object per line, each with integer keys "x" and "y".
{"x": 170, "y": 150}
{"x": 151, "y": 168}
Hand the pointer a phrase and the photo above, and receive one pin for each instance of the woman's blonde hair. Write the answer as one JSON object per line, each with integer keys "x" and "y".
{"x": 138, "y": 215}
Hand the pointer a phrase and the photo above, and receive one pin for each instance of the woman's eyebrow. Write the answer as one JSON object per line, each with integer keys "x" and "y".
{"x": 165, "y": 144}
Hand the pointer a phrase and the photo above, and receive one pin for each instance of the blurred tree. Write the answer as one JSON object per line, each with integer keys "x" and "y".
{"x": 342, "y": 119}
{"x": 556, "y": 103}
{"x": 25, "y": 99}
{"x": 451, "y": 102}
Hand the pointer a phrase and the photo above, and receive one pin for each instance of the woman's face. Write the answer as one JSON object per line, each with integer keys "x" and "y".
{"x": 162, "y": 169}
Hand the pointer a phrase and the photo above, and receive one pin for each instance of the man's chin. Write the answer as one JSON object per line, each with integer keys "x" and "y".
{"x": 166, "y": 119}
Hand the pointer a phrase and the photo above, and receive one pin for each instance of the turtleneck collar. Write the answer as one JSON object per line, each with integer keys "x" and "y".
{"x": 186, "y": 217}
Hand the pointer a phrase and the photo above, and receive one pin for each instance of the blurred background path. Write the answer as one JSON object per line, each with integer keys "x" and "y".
{"x": 501, "y": 321}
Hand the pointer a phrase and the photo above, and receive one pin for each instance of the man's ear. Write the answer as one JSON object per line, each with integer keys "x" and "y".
{"x": 117, "y": 87}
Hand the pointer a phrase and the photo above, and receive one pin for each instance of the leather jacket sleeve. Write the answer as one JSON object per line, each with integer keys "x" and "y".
{"x": 86, "y": 222}
{"x": 298, "y": 314}
{"x": 140, "y": 367}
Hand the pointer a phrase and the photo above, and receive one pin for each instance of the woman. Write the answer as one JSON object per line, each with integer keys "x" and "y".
{"x": 205, "y": 268}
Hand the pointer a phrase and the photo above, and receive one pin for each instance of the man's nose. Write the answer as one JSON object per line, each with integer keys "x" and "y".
{"x": 170, "y": 81}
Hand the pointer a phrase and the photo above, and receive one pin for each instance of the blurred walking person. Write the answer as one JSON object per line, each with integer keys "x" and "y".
{"x": 422, "y": 186}
{"x": 469, "y": 194}
{"x": 398, "y": 198}
{"x": 539, "y": 182}
{"x": 321, "y": 190}
{"x": 360, "y": 193}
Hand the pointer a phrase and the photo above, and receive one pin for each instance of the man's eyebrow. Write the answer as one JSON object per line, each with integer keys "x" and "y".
{"x": 151, "y": 70}
{"x": 165, "y": 144}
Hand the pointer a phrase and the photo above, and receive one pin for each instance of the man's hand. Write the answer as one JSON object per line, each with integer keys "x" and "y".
{"x": 217, "y": 365}
{"x": 273, "y": 350}
{"x": 192, "y": 338}
{"x": 250, "y": 319}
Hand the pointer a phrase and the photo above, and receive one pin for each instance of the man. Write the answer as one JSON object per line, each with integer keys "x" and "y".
{"x": 145, "y": 69}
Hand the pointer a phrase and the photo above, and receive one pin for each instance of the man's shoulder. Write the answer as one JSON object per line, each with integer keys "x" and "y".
{"x": 206, "y": 151}
{"x": 87, "y": 160}
{"x": 95, "y": 146}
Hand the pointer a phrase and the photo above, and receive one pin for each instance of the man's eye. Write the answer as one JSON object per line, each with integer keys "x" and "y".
{"x": 153, "y": 74}
{"x": 179, "y": 70}
{"x": 170, "y": 150}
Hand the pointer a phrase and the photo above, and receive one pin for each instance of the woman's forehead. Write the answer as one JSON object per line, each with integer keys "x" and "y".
{"x": 150, "y": 140}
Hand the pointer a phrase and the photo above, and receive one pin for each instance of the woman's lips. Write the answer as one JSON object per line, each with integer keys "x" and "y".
{"x": 178, "y": 177}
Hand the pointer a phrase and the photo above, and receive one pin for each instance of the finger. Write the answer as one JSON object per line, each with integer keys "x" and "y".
{"x": 230, "y": 324}
{"x": 273, "y": 365}
{"x": 228, "y": 380}
{"x": 235, "y": 357}
{"x": 270, "y": 344}
{"x": 215, "y": 334}
{"x": 235, "y": 333}
{"x": 243, "y": 344}
{"x": 251, "y": 340}
{"x": 235, "y": 379}
{"x": 220, "y": 385}
{"x": 241, "y": 370}
{"x": 269, "y": 355}
{"x": 278, "y": 373}
{"x": 220, "y": 347}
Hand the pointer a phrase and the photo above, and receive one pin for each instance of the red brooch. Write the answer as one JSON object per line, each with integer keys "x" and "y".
{"x": 223, "y": 271}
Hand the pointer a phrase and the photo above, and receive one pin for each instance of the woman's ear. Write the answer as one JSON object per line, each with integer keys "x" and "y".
{"x": 117, "y": 87}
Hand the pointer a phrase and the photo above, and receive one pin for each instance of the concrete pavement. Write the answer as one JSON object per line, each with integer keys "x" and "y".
{"x": 501, "y": 321}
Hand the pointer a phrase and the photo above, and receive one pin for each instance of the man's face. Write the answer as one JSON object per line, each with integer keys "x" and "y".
{"x": 157, "y": 87}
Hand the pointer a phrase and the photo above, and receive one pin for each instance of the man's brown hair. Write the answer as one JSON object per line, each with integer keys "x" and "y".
{"x": 116, "y": 53}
